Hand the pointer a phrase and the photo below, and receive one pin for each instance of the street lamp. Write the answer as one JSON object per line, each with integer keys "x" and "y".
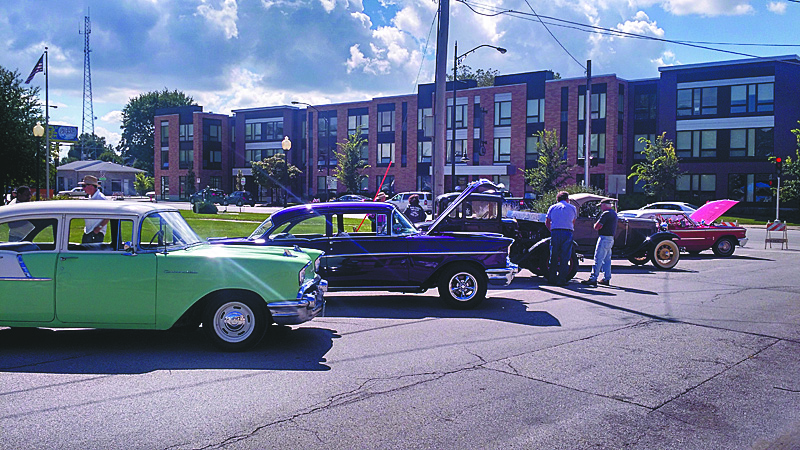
{"x": 286, "y": 145}
{"x": 327, "y": 150}
{"x": 38, "y": 131}
{"x": 456, "y": 59}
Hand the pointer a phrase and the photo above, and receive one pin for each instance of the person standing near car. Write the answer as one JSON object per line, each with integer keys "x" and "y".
{"x": 23, "y": 194}
{"x": 606, "y": 227}
{"x": 561, "y": 223}
{"x": 95, "y": 229}
{"x": 414, "y": 212}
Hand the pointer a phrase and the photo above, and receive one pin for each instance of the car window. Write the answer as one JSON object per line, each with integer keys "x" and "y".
{"x": 397, "y": 198}
{"x": 589, "y": 209}
{"x": 401, "y": 225}
{"x": 117, "y": 235}
{"x": 166, "y": 230}
{"x": 309, "y": 227}
{"x": 482, "y": 209}
{"x": 42, "y": 232}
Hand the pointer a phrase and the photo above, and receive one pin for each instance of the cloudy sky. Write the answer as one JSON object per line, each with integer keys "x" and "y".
{"x": 230, "y": 54}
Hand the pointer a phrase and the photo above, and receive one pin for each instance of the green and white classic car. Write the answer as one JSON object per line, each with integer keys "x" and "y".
{"x": 146, "y": 269}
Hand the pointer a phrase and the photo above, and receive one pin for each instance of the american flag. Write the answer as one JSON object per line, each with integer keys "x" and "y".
{"x": 36, "y": 69}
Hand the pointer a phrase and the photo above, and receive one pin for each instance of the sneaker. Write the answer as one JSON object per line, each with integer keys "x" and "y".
{"x": 605, "y": 282}
{"x": 589, "y": 282}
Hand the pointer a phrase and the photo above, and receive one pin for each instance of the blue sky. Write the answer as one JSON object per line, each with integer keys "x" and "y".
{"x": 231, "y": 54}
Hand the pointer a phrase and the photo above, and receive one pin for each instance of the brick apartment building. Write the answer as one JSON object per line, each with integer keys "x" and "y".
{"x": 725, "y": 118}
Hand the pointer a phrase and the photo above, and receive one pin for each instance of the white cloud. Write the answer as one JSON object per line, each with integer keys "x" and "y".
{"x": 363, "y": 18}
{"x": 667, "y": 58}
{"x": 113, "y": 116}
{"x": 777, "y": 7}
{"x": 700, "y": 7}
{"x": 112, "y": 138}
{"x": 328, "y": 5}
{"x": 224, "y": 18}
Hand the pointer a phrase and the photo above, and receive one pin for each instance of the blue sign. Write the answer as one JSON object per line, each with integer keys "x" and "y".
{"x": 63, "y": 133}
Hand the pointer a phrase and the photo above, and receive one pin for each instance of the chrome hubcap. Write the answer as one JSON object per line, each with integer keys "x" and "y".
{"x": 463, "y": 286}
{"x": 665, "y": 253}
{"x": 725, "y": 246}
{"x": 234, "y": 322}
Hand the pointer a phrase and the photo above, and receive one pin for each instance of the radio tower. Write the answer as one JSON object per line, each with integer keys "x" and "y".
{"x": 88, "y": 109}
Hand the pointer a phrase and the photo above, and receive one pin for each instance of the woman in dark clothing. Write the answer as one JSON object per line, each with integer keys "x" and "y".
{"x": 414, "y": 212}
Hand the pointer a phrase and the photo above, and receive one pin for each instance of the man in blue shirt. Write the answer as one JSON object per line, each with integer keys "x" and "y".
{"x": 561, "y": 223}
{"x": 606, "y": 227}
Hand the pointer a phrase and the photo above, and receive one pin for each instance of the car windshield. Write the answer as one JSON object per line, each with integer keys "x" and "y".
{"x": 401, "y": 225}
{"x": 261, "y": 230}
{"x": 166, "y": 229}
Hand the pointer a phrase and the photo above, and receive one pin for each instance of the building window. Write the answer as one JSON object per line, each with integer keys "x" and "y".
{"x": 638, "y": 146}
{"x": 598, "y": 105}
{"x": 596, "y": 180}
{"x": 186, "y": 158}
{"x": 696, "y": 183}
{"x": 502, "y": 150}
{"x": 182, "y": 188}
{"x": 535, "y": 110}
{"x": 461, "y": 116}
{"x": 460, "y": 150}
{"x": 215, "y": 182}
{"x": 748, "y": 98}
{"x": 358, "y": 122}
{"x": 388, "y": 184}
{"x": 363, "y": 151}
{"x": 423, "y": 182}
{"x": 252, "y": 132}
{"x": 385, "y": 154}
{"x": 424, "y": 151}
{"x": 696, "y": 144}
{"x": 644, "y": 107}
{"x": 165, "y": 157}
{"x": 326, "y": 140}
{"x": 164, "y": 188}
{"x": 502, "y": 113}
{"x": 186, "y": 132}
{"x": 597, "y": 146}
{"x": 164, "y": 133}
{"x": 213, "y": 133}
{"x": 532, "y": 148}
{"x": 505, "y": 180}
{"x": 750, "y": 187}
{"x": 697, "y": 102}
{"x": 386, "y": 121}
{"x": 752, "y": 142}
{"x": 425, "y": 121}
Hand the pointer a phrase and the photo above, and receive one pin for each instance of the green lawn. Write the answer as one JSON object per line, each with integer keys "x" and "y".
{"x": 747, "y": 221}
{"x": 223, "y": 224}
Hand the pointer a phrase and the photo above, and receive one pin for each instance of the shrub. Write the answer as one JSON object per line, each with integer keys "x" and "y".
{"x": 549, "y": 198}
{"x": 204, "y": 207}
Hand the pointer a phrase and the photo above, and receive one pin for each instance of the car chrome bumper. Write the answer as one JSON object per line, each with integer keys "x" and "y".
{"x": 502, "y": 277}
{"x": 743, "y": 242}
{"x": 309, "y": 304}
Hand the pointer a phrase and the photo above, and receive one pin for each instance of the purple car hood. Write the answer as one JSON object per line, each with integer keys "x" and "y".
{"x": 482, "y": 185}
{"x": 711, "y": 211}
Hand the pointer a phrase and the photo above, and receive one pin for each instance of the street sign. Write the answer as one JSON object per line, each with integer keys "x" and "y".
{"x": 63, "y": 133}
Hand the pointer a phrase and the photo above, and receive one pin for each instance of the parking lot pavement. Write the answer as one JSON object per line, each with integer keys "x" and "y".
{"x": 701, "y": 356}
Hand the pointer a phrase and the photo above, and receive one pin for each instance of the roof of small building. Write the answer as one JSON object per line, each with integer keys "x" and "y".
{"x": 98, "y": 166}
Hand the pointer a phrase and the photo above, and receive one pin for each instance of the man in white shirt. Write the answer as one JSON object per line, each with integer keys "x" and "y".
{"x": 95, "y": 229}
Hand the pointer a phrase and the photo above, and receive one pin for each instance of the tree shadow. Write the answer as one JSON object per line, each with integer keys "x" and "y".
{"x": 95, "y": 351}
{"x": 702, "y": 256}
{"x": 604, "y": 304}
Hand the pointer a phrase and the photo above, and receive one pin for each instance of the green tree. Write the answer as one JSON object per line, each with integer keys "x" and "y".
{"x": 483, "y": 77}
{"x": 550, "y": 197}
{"x": 110, "y": 156}
{"x": 350, "y": 164}
{"x": 551, "y": 168}
{"x": 790, "y": 178}
{"x": 659, "y": 171}
{"x": 20, "y": 110}
{"x": 138, "y": 129}
{"x": 143, "y": 183}
{"x": 274, "y": 173}
{"x": 89, "y": 147}
{"x": 190, "y": 180}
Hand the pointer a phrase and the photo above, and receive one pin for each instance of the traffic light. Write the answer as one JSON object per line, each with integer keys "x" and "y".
{"x": 778, "y": 165}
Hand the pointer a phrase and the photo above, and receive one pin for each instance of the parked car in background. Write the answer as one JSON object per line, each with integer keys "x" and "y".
{"x": 373, "y": 246}
{"x": 401, "y": 200}
{"x": 696, "y": 231}
{"x": 239, "y": 198}
{"x": 74, "y": 192}
{"x": 150, "y": 272}
{"x": 675, "y": 206}
{"x": 353, "y": 198}
{"x": 211, "y": 195}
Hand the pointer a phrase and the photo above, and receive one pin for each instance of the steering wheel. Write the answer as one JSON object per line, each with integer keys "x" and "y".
{"x": 159, "y": 235}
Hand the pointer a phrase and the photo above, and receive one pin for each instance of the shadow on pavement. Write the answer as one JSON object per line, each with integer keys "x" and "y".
{"x": 594, "y": 291}
{"x": 92, "y": 351}
{"x": 413, "y": 306}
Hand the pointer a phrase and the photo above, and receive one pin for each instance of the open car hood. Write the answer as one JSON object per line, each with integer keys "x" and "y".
{"x": 482, "y": 185}
{"x": 712, "y": 210}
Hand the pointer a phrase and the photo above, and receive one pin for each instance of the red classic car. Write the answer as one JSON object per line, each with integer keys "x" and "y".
{"x": 697, "y": 232}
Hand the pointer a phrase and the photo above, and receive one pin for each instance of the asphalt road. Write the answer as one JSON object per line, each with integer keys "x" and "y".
{"x": 701, "y": 357}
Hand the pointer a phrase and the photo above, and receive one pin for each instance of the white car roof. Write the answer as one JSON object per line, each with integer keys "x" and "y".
{"x": 80, "y": 207}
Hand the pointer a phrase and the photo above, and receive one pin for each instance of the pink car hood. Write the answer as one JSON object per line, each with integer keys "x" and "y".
{"x": 712, "y": 210}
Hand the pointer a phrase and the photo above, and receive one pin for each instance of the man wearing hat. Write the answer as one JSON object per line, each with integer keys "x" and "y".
{"x": 606, "y": 227}
{"x": 95, "y": 229}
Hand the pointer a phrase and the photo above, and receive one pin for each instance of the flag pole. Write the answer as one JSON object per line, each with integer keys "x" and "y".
{"x": 47, "y": 121}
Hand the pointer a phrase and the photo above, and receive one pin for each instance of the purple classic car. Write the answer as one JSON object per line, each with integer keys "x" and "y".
{"x": 372, "y": 246}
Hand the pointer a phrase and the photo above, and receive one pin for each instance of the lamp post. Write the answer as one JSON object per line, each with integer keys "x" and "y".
{"x": 327, "y": 150}
{"x": 456, "y": 59}
{"x": 286, "y": 145}
{"x": 38, "y": 131}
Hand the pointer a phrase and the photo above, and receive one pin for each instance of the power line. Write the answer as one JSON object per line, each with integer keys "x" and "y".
{"x": 554, "y": 36}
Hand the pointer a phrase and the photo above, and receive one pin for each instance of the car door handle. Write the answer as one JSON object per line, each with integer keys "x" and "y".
{"x": 64, "y": 258}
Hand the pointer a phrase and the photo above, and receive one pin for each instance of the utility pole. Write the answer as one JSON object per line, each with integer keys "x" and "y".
{"x": 439, "y": 104}
{"x": 88, "y": 109}
{"x": 587, "y": 115}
